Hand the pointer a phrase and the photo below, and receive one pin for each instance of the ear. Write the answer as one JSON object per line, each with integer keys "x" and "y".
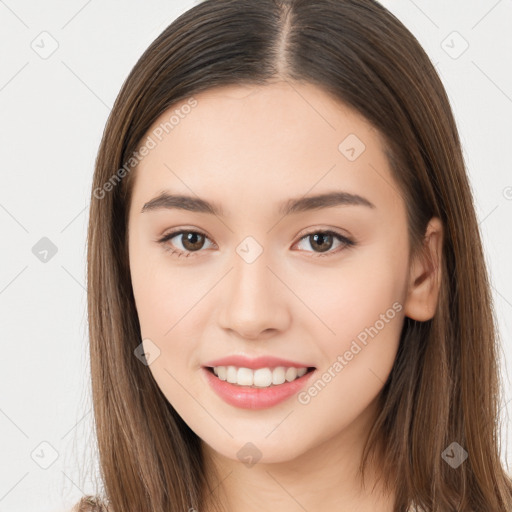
{"x": 425, "y": 275}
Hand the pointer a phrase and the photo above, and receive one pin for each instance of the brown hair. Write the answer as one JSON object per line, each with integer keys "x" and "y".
{"x": 444, "y": 386}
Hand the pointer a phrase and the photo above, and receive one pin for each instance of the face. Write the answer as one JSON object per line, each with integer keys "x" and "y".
{"x": 265, "y": 271}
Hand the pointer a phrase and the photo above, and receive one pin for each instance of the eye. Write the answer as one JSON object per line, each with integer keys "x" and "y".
{"x": 193, "y": 241}
{"x": 324, "y": 241}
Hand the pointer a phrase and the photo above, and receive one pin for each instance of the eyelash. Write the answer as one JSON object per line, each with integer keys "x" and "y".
{"x": 347, "y": 242}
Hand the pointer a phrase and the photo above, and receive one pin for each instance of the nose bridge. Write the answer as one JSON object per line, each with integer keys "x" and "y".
{"x": 251, "y": 281}
{"x": 252, "y": 303}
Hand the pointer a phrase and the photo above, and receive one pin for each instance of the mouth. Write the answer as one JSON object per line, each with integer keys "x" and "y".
{"x": 260, "y": 378}
{"x": 257, "y": 388}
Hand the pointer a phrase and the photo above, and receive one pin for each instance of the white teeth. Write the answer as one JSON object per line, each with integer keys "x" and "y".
{"x": 278, "y": 375}
{"x": 244, "y": 377}
{"x": 231, "y": 374}
{"x": 291, "y": 374}
{"x": 260, "y": 378}
{"x": 301, "y": 372}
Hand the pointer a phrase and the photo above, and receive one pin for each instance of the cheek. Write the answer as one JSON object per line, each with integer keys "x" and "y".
{"x": 363, "y": 300}
{"x": 162, "y": 293}
{"x": 170, "y": 304}
{"x": 354, "y": 295}
{"x": 360, "y": 304}
{"x": 365, "y": 312}
{"x": 168, "y": 324}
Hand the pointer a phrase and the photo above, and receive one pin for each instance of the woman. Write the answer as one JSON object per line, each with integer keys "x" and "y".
{"x": 280, "y": 242}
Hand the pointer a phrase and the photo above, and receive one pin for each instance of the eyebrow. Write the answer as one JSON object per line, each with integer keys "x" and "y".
{"x": 294, "y": 205}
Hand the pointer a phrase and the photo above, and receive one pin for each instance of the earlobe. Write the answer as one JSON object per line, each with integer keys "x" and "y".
{"x": 425, "y": 275}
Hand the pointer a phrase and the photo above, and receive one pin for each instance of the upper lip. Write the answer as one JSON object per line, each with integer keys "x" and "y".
{"x": 256, "y": 362}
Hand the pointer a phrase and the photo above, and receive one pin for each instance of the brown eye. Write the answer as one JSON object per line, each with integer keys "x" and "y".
{"x": 191, "y": 241}
{"x": 322, "y": 241}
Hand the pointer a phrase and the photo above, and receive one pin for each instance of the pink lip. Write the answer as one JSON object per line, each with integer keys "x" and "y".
{"x": 254, "y": 398}
{"x": 255, "y": 363}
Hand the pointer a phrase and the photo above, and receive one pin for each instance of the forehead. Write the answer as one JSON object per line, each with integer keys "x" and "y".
{"x": 263, "y": 141}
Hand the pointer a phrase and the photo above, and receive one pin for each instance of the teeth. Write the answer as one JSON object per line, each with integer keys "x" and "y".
{"x": 260, "y": 378}
{"x": 244, "y": 377}
{"x": 231, "y": 374}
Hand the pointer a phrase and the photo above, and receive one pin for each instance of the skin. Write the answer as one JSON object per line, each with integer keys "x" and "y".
{"x": 240, "y": 145}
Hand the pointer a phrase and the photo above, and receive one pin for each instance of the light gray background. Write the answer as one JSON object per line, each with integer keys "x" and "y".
{"x": 52, "y": 114}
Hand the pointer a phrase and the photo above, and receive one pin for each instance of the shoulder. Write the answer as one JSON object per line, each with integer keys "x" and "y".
{"x": 91, "y": 504}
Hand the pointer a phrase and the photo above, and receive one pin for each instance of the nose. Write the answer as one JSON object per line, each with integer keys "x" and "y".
{"x": 255, "y": 303}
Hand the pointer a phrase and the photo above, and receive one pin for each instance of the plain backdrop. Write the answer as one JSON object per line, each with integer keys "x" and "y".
{"x": 62, "y": 64}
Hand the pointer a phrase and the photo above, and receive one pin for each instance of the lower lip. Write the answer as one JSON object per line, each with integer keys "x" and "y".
{"x": 255, "y": 398}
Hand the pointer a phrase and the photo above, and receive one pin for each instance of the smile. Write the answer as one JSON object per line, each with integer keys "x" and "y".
{"x": 261, "y": 377}
{"x": 252, "y": 389}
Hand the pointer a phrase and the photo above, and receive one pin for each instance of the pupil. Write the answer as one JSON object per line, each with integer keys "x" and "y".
{"x": 322, "y": 237}
{"x": 191, "y": 240}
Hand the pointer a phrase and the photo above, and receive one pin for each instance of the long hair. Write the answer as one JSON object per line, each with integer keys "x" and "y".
{"x": 444, "y": 385}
